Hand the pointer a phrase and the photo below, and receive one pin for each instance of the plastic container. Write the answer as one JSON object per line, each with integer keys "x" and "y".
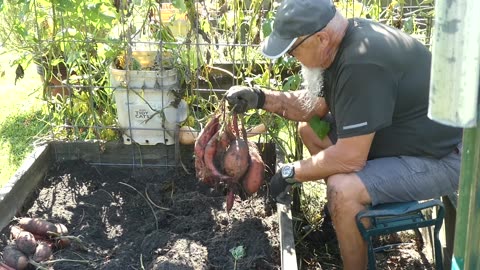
{"x": 149, "y": 76}
{"x": 148, "y": 116}
{"x": 166, "y": 79}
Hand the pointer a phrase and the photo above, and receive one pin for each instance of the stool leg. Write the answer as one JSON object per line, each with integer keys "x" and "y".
{"x": 371, "y": 255}
{"x": 438, "y": 249}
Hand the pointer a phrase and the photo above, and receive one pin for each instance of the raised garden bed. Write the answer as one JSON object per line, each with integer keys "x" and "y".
{"x": 129, "y": 217}
{"x": 132, "y": 208}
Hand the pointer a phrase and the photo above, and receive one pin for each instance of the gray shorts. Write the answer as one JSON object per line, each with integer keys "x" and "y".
{"x": 407, "y": 178}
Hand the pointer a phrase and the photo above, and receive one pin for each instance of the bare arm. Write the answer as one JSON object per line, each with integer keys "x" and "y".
{"x": 289, "y": 105}
{"x": 346, "y": 156}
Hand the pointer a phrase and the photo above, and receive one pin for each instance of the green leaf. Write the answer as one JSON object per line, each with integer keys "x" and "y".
{"x": 267, "y": 27}
{"x": 319, "y": 126}
{"x": 180, "y": 4}
{"x": 238, "y": 252}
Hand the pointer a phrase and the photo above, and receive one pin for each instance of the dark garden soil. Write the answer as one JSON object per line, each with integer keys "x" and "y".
{"x": 165, "y": 219}
{"x": 152, "y": 219}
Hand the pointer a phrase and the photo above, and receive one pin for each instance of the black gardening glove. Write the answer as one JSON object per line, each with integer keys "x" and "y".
{"x": 281, "y": 180}
{"x": 243, "y": 98}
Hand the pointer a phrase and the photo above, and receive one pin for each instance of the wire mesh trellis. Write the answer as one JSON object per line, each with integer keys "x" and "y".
{"x": 212, "y": 45}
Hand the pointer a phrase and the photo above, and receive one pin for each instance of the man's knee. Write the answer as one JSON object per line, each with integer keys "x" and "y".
{"x": 311, "y": 140}
{"x": 304, "y": 130}
{"x": 337, "y": 191}
{"x": 345, "y": 190}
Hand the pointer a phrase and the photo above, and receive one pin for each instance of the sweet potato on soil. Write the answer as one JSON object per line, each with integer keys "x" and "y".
{"x": 61, "y": 229}
{"x": 62, "y": 242}
{"x": 253, "y": 179}
{"x": 15, "y": 258}
{"x": 14, "y": 231}
{"x": 37, "y": 226}
{"x": 25, "y": 242}
{"x": 42, "y": 252}
{"x": 5, "y": 267}
{"x": 236, "y": 159}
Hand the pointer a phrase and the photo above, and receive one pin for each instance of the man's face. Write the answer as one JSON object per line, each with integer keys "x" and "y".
{"x": 311, "y": 50}
{"x": 313, "y": 82}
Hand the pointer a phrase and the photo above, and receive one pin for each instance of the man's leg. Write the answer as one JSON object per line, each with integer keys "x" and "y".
{"x": 311, "y": 140}
{"x": 347, "y": 196}
{"x": 385, "y": 180}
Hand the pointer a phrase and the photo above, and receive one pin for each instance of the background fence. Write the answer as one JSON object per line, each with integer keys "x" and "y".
{"x": 135, "y": 71}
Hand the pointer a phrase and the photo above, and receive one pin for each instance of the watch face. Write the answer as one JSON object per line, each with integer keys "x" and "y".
{"x": 287, "y": 171}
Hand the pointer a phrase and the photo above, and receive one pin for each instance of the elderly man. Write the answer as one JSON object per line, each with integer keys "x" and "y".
{"x": 372, "y": 83}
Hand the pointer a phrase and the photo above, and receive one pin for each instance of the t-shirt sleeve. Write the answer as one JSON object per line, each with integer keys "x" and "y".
{"x": 364, "y": 99}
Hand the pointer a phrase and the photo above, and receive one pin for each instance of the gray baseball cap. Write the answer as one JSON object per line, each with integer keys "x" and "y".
{"x": 295, "y": 18}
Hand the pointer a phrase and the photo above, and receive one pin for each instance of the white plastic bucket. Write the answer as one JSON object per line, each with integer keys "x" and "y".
{"x": 148, "y": 116}
{"x": 148, "y": 77}
{"x": 143, "y": 78}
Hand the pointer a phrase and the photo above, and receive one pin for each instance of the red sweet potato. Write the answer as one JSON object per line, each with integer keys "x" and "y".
{"x": 5, "y": 267}
{"x": 61, "y": 229}
{"x": 14, "y": 231}
{"x": 199, "y": 149}
{"x": 225, "y": 138}
{"x": 62, "y": 242}
{"x": 236, "y": 159}
{"x": 25, "y": 242}
{"x": 209, "y": 160}
{"x": 37, "y": 226}
{"x": 43, "y": 252}
{"x": 253, "y": 179}
{"x": 15, "y": 258}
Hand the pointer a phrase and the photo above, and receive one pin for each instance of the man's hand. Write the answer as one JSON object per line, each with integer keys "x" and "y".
{"x": 279, "y": 184}
{"x": 243, "y": 98}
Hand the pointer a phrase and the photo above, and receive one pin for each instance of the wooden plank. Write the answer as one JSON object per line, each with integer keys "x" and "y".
{"x": 15, "y": 192}
{"x": 455, "y": 63}
{"x": 287, "y": 241}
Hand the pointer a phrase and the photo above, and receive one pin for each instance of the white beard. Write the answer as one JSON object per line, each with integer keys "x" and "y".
{"x": 313, "y": 83}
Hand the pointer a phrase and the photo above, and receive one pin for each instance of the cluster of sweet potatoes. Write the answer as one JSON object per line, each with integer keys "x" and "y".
{"x": 224, "y": 156}
{"x": 33, "y": 241}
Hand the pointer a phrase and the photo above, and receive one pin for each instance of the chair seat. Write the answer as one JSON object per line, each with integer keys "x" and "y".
{"x": 394, "y": 217}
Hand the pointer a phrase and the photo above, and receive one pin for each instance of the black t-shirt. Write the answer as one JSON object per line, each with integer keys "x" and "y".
{"x": 379, "y": 82}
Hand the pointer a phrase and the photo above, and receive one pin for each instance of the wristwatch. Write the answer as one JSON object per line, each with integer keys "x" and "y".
{"x": 288, "y": 173}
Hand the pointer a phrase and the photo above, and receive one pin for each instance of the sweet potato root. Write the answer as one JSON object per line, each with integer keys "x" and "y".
{"x": 5, "y": 267}
{"x": 62, "y": 242}
{"x": 230, "y": 200}
{"x": 199, "y": 149}
{"x": 15, "y": 258}
{"x": 25, "y": 242}
{"x": 253, "y": 179}
{"x": 224, "y": 141}
{"x": 42, "y": 252}
{"x": 61, "y": 229}
{"x": 209, "y": 157}
{"x": 236, "y": 159}
{"x": 37, "y": 226}
{"x": 14, "y": 231}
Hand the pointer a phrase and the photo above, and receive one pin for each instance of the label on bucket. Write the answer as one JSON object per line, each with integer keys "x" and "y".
{"x": 142, "y": 114}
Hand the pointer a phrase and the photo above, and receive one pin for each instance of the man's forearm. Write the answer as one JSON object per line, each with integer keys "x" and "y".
{"x": 290, "y": 105}
{"x": 321, "y": 166}
{"x": 346, "y": 156}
